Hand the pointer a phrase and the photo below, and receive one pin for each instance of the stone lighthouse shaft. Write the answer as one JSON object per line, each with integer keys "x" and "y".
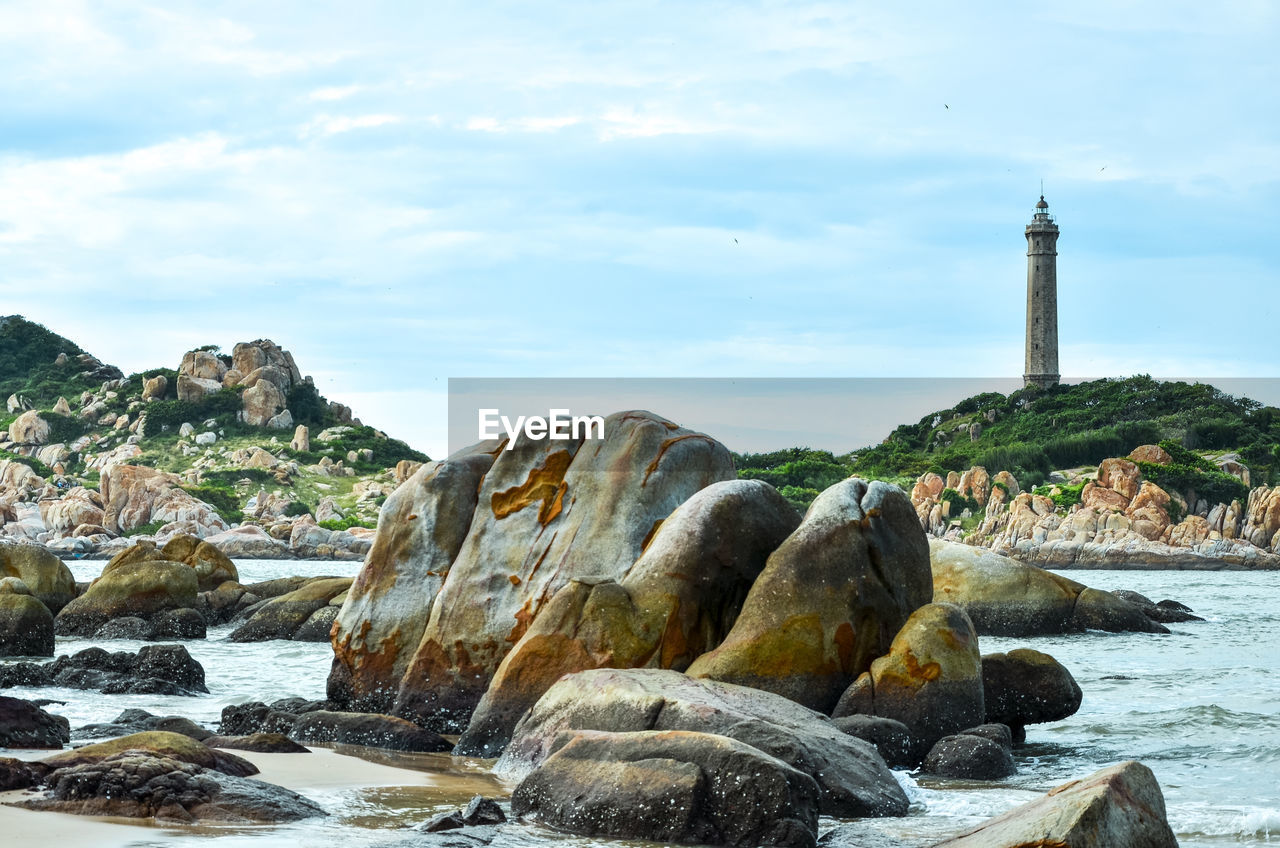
{"x": 1042, "y": 299}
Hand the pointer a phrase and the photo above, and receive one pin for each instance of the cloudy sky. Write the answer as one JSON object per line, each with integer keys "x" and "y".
{"x": 401, "y": 193}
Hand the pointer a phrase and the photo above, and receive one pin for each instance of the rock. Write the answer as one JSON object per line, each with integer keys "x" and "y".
{"x": 29, "y": 429}
{"x": 1027, "y": 687}
{"x": 154, "y": 669}
{"x": 262, "y": 402}
{"x": 549, "y": 512}
{"x": 262, "y": 743}
{"x": 160, "y": 743}
{"x": 178, "y": 624}
{"x": 281, "y": 618}
{"x": 892, "y": 738}
{"x": 831, "y": 598}
{"x": 25, "y": 725}
{"x": 480, "y": 812}
{"x": 1165, "y": 612}
{"x": 128, "y": 627}
{"x": 17, "y": 774}
{"x": 968, "y": 757}
{"x": 423, "y": 526}
{"x": 140, "y": 784}
{"x": 137, "y": 495}
{"x": 26, "y": 626}
{"x": 931, "y": 679}
{"x": 369, "y": 729}
{"x": 155, "y": 388}
{"x": 78, "y": 506}
{"x": 45, "y": 575}
{"x": 1151, "y": 453}
{"x": 852, "y": 778}
{"x": 194, "y": 389}
{"x": 248, "y": 541}
{"x": 212, "y": 566}
{"x": 282, "y": 420}
{"x": 673, "y": 786}
{"x": 1121, "y": 805}
{"x": 129, "y": 587}
{"x": 16, "y": 403}
{"x": 677, "y": 601}
{"x": 998, "y": 733}
{"x": 137, "y": 721}
{"x": 301, "y": 440}
{"x": 62, "y": 407}
{"x": 318, "y": 627}
{"x": 975, "y": 483}
{"x": 203, "y": 365}
{"x": 1098, "y": 610}
{"x": 207, "y": 438}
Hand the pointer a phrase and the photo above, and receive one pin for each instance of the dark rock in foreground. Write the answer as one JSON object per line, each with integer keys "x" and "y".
{"x": 262, "y": 743}
{"x": 891, "y": 737}
{"x": 153, "y": 670}
{"x": 969, "y": 757}
{"x": 25, "y": 725}
{"x": 26, "y": 626}
{"x": 853, "y": 780}
{"x": 481, "y": 811}
{"x": 157, "y": 743}
{"x": 18, "y": 774}
{"x": 672, "y": 786}
{"x": 1027, "y": 687}
{"x": 1121, "y": 806}
{"x": 138, "y": 721}
{"x": 370, "y": 729}
{"x": 138, "y": 784}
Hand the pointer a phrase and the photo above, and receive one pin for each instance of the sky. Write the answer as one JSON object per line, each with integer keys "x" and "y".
{"x": 401, "y": 193}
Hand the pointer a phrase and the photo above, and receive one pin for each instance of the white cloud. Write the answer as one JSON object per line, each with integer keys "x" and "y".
{"x": 334, "y": 124}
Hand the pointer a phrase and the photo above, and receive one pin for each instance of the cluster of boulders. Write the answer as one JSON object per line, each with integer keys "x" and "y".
{"x": 658, "y": 650}
{"x": 1122, "y": 518}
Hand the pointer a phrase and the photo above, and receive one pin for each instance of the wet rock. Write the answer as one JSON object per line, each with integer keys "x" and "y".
{"x": 852, "y": 778}
{"x": 137, "y": 721}
{"x": 1099, "y": 610}
{"x": 140, "y": 784}
{"x": 128, "y": 627}
{"x": 18, "y": 774}
{"x": 892, "y": 738}
{"x": 256, "y": 717}
{"x": 155, "y": 669}
{"x": 479, "y": 812}
{"x": 25, "y": 725}
{"x": 1027, "y": 687}
{"x": 178, "y": 624}
{"x": 160, "y": 743}
{"x": 673, "y": 786}
{"x": 994, "y": 731}
{"x": 930, "y": 680}
{"x": 317, "y": 627}
{"x": 129, "y": 586}
{"x": 263, "y": 743}
{"x": 369, "y": 729}
{"x": 46, "y": 576}
{"x": 1119, "y": 805}
{"x": 26, "y": 626}
{"x": 281, "y": 618}
{"x": 679, "y": 599}
{"x": 831, "y": 598}
{"x": 1165, "y": 612}
{"x": 968, "y": 757}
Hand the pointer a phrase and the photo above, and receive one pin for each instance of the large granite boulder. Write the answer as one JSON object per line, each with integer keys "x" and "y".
{"x": 831, "y": 598}
{"x": 421, "y": 528}
{"x": 161, "y": 743}
{"x": 26, "y": 625}
{"x": 853, "y": 779}
{"x": 46, "y": 576}
{"x": 25, "y": 725}
{"x": 1004, "y": 597}
{"x": 1121, "y": 805}
{"x": 29, "y": 429}
{"x": 1027, "y": 687}
{"x": 677, "y": 601}
{"x": 931, "y": 679}
{"x": 549, "y": 512}
{"x": 130, "y": 586}
{"x": 282, "y": 617}
{"x": 212, "y": 566}
{"x": 136, "y": 495}
{"x": 671, "y": 786}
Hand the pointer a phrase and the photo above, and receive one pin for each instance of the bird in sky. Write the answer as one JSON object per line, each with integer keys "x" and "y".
{"x": 735, "y": 241}
{"x": 945, "y": 106}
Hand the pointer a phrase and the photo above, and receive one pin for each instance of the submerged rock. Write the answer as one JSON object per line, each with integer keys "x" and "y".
{"x": 672, "y": 786}
{"x": 852, "y": 778}
{"x": 1121, "y": 805}
{"x": 831, "y": 598}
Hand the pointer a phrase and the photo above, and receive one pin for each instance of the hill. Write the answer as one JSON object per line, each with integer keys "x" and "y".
{"x": 1034, "y": 431}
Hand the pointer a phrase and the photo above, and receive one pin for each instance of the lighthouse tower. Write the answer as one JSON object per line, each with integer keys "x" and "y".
{"x": 1042, "y": 299}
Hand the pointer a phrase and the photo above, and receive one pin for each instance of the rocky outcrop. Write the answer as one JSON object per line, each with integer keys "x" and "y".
{"x": 29, "y": 429}
{"x": 677, "y": 601}
{"x": 159, "y": 743}
{"x": 930, "y": 680}
{"x": 45, "y": 576}
{"x": 212, "y": 566}
{"x": 283, "y": 617}
{"x": 969, "y": 756}
{"x": 132, "y": 585}
{"x": 548, "y": 512}
{"x": 853, "y": 780}
{"x": 249, "y": 541}
{"x": 368, "y": 729}
{"x": 77, "y": 507}
{"x": 672, "y": 786}
{"x": 1119, "y": 805}
{"x": 1004, "y": 597}
{"x": 1027, "y": 687}
{"x": 154, "y": 669}
{"x": 25, "y": 725}
{"x": 136, "y": 495}
{"x": 831, "y": 598}
{"x": 422, "y": 528}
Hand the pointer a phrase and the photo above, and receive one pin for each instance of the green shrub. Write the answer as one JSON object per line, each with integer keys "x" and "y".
{"x": 221, "y": 498}
{"x": 222, "y": 405}
{"x": 345, "y": 523}
{"x": 30, "y": 461}
{"x": 308, "y": 407}
{"x": 63, "y": 428}
{"x": 798, "y": 496}
{"x": 1190, "y": 471}
{"x": 147, "y": 529}
{"x": 293, "y": 509}
{"x": 959, "y": 503}
{"x": 1063, "y": 495}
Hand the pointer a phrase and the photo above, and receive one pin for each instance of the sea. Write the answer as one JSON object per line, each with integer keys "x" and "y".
{"x": 1200, "y": 707}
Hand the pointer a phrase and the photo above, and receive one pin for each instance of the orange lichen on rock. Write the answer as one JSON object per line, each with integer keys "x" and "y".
{"x": 545, "y": 485}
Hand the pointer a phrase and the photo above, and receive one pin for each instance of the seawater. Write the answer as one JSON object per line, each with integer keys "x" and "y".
{"x": 1200, "y": 706}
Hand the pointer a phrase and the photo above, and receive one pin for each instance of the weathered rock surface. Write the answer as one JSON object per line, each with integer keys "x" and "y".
{"x": 263, "y": 743}
{"x": 159, "y": 743}
{"x": 1121, "y": 805}
{"x": 154, "y": 669}
{"x": 29, "y": 429}
{"x": 831, "y": 598}
{"x": 136, "y": 495}
{"x": 277, "y": 717}
{"x": 369, "y": 729}
{"x": 852, "y": 778}
{"x": 1027, "y": 687}
{"x": 970, "y": 757}
{"x": 212, "y": 566}
{"x": 892, "y": 738}
{"x": 48, "y": 577}
{"x": 135, "y": 720}
{"x": 677, "y": 601}
{"x": 549, "y": 512}
{"x": 282, "y": 617}
{"x": 25, "y": 725}
{"x": 421, "y": 530}
{"x": 930, "y": 680}
{"x": 26, "y": 626}
{"x": 671, "y": 786}
{"x": 133, "y": 586}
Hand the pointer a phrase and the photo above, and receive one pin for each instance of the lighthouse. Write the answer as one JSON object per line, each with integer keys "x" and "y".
{"x": 1042, "y": 299}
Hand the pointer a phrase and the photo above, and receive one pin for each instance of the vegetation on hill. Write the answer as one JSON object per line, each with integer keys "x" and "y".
{"x": 27, "y": 355}
{"x": 1034, "y": 431}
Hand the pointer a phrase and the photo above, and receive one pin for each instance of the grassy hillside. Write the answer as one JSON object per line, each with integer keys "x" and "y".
{"x": 1034, "y": 431}
{"x": 27, "y": 354}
